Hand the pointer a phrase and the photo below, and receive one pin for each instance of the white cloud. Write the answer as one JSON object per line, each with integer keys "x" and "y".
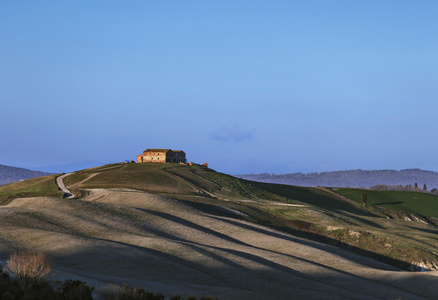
{"x": 233, "y": 134}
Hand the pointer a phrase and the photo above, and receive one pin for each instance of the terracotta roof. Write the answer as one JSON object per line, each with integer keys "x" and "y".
{"x": 156, "y": 150}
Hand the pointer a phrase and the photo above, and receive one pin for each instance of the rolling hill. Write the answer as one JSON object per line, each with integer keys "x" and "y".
{"x": 12, "y": 174}
{"x": 351, "y": 178}
{"x": 190, "y": 230}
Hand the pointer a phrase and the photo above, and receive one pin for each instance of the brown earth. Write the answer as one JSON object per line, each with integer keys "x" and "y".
{"x": 159, "y": 243}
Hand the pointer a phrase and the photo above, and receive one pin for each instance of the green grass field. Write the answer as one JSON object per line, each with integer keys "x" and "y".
{"x": 420, "y": 203}
{"x": 174, "y": 179}
{"x": 36, "y": 187}
{"x": 146, "y": 177}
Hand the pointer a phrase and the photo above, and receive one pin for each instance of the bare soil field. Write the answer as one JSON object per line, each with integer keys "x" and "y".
{"x": 163, "y": 245}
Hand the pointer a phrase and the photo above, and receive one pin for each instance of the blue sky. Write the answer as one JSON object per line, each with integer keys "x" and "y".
{"x": 247, "y": 86}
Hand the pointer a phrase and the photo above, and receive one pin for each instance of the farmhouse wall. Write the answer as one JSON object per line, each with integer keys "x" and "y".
{"x": 162, "y": 156}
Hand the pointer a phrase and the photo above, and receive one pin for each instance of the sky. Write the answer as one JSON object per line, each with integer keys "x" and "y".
{"x": 246, "y": 86}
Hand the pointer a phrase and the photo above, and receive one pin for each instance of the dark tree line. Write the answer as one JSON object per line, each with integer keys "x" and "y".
{"x": 407, "y": 188}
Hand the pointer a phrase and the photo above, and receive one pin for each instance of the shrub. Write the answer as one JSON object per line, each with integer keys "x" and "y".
{"x": 110, "y": 292}
{"x": 125, "y": 292}
{"x": 11, "y": 289}
{"x": 76, "y": 290}
{"x": 28, "y": 268}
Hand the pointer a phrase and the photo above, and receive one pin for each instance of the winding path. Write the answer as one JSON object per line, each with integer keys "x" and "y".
{"x": 61, "y": 185}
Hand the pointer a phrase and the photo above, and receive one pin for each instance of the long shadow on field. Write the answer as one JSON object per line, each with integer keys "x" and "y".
{"x": 342, "y": 274}
{"x": 129, "y": 259}
{"x": 193, "y": 226}
{"x": 75, "y": 227}
{"x": 227, "y": 238}
{"x": 388, "y": 203}
{"x": 425, "y": 230}
{"x": 312, "y": 196}
{"x": 361, "y": 220}
{"x": 326, "y": 240}
{"x": 320, "y": 199}
{"x": 270, "y": 268}
{"x": 211, "y": 209}
{"x": 230, "y": 269}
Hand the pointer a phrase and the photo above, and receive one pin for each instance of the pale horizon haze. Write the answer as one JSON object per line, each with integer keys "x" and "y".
{"x": 246, "y": 86}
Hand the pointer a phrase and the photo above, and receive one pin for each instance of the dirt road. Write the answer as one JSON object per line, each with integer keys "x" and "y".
{"x": 61, "y": 185}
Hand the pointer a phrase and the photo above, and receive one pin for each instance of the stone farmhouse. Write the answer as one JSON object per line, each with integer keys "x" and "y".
{"x": 162, "y": 156}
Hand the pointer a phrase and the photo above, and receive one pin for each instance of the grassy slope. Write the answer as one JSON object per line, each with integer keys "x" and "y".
{"x": 323, "y": 214}
{"x": 420, "y": 203}
{"x": 173, "y": 179}
{"x": 316, "y": 213}
{"x": 36, "y": 187}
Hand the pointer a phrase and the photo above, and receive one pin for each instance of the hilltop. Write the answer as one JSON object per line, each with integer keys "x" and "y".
{"x": 13, "y": 174}
{"x": 183, "y": 229}
{"x": 351, "y": 178}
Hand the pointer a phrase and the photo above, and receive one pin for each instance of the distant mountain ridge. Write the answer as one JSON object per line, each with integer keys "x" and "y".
{"x": 13, "y": 174}
{"x": 351, "y": 178}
